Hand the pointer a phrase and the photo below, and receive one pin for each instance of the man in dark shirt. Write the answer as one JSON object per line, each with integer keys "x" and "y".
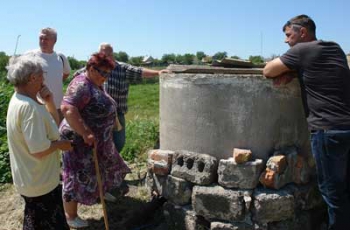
{"x": 324, "y": 78}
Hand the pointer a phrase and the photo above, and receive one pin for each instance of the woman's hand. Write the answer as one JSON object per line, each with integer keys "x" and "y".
{"x": 46, "y": 94}
{"x": 73, "y": 117}
{"x": 89, "y": 138}
{"x": 64, "y": 145}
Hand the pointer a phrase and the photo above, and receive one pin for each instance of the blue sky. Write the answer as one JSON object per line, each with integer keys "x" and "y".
{"x": 156, "y": 27}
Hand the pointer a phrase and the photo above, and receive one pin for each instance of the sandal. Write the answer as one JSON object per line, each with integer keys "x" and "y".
{"x": 77, "y": 223}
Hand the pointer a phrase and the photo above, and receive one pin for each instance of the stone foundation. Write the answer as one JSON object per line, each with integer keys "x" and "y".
{"x": 204, "y": 193}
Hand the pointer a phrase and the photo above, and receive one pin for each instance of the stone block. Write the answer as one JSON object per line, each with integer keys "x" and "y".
{"x": 216, "y": 202}
{"x": 158, "y": 167}
{"x": 301, "y": 170}
{"x": 183, "y": 218}
{"x": 179, "y": 191}
{"x": 306, "y": 196}
{"x": 271, "y": 205}
{"x": 242, "y": 155}
{"x": 277, "y": 163}
{"x": 230, "y": 226}
{"x": 297, "y": 171}
{"x": 283, "y": 225}
{"x": 197, "y": 168}
{"x": 298, "y": 166}
{"x": 157, "y": 183}
{"x": 242, "y": 176}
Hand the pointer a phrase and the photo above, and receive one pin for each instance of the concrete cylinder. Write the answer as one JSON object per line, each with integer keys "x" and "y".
{"x": 215, "y": 111}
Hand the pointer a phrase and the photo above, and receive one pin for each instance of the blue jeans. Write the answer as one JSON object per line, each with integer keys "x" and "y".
{"x": 331, "y": 150}
{"x": 119, "y": 136}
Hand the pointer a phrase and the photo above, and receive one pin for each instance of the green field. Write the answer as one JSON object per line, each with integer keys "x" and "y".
{"x": 142, "y": 120}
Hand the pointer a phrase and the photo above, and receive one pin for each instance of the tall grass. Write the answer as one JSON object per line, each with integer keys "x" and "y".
{"x": 6, "y": 91}
{"x": 142, "y": 120}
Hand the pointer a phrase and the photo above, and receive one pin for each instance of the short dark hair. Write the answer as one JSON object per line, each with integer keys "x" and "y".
{"x": 301, "y": 21}
{"x": 100, "y": 60}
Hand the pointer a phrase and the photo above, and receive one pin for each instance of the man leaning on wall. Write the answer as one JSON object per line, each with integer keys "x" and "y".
{"x": 324, "y": 78}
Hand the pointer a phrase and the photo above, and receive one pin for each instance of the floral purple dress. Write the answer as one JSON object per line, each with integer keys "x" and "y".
{"x": 98, "y": 111}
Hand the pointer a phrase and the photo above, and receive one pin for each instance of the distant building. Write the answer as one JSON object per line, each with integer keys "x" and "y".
{"x": 207, "y": 59}
{"x": 147, "y": 60}
{"x": 348, "y": 57}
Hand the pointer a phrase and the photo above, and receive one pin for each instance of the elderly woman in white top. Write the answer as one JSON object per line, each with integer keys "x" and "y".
{"x": 34, "y": 145}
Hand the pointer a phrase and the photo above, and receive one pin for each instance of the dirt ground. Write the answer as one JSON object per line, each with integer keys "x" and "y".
{"x": 134, "y": 211}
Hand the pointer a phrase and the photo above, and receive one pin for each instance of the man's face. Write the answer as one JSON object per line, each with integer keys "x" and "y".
{"x": 46, "y": 42}
{"x": 107, "y": 51}
{"x": 292, "y": 36}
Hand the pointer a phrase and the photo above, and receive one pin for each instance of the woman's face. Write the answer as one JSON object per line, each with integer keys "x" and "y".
{"x": 99, "y": 74}
{"x": 37, "y": 80}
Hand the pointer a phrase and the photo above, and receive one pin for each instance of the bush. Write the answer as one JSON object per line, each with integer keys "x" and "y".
{"x": 6, "y": 91}
{"x": 141, "y": 135}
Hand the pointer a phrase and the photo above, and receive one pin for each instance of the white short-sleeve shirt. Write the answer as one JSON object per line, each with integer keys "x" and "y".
{"x": 54, "y": 68}
{"x": 30, "y": 129}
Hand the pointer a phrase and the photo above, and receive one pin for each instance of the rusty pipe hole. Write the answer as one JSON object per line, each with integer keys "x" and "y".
{"x": 189, "y": 163}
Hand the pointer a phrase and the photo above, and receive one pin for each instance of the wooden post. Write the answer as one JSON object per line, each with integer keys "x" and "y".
{"x": 100, "y": 188}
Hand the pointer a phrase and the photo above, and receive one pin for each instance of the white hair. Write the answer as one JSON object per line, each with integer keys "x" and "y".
{"x": 20, "y": 68}
{"x": 105, "y": 45}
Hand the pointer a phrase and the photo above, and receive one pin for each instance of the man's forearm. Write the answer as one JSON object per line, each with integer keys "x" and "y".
{"x": 148, "y": 73}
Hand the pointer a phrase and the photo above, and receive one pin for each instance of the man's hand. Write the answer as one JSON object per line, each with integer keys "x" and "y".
{"x": 284, "y": 79}
{"x": 163, "y": 71}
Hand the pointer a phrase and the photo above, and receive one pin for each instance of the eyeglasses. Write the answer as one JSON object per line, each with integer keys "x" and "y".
{"x": 102, "y": 73}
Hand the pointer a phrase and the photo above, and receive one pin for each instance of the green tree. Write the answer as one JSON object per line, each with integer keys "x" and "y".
{"x": 121, "y": 56}
{"x": 188, "y": 59}
{"x": 168, "y": 58}
{"x": 200, "y": 55}
{"x": 4, "y": 59}
{"x": 74, "y": 63}
{"x": 235, "y": 57}
{"x": 220, "y": 55}
{"x": 179, "y": 59}
{"x": 256, "y": 59}
{"x": 137, "y": 61}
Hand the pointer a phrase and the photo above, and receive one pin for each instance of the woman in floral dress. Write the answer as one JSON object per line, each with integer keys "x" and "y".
{"x": 90, "y": 116}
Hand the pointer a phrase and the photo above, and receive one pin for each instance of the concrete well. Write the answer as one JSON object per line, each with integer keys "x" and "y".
{"x": 213, "y": 110}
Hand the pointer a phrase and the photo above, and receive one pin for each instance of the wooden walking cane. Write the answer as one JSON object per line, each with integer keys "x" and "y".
{"x": 99, "y": 183}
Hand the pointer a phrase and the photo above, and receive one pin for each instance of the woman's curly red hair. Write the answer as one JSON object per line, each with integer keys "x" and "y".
{"x": 100, "y": 60}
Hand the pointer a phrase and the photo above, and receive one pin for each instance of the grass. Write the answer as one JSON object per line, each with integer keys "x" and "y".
{"x": 143, "y": 101}
{"x": 142, "y": 121}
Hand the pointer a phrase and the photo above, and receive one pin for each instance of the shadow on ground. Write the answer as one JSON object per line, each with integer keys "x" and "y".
{"x": 130, "y": 213}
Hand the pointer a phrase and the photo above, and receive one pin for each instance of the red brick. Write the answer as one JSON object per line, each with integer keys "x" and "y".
{"x": 277, "y": 163}
{"x": 268, "y": 178}
{"x": 160, "y": 155}
{"x": 241, "y": 155}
